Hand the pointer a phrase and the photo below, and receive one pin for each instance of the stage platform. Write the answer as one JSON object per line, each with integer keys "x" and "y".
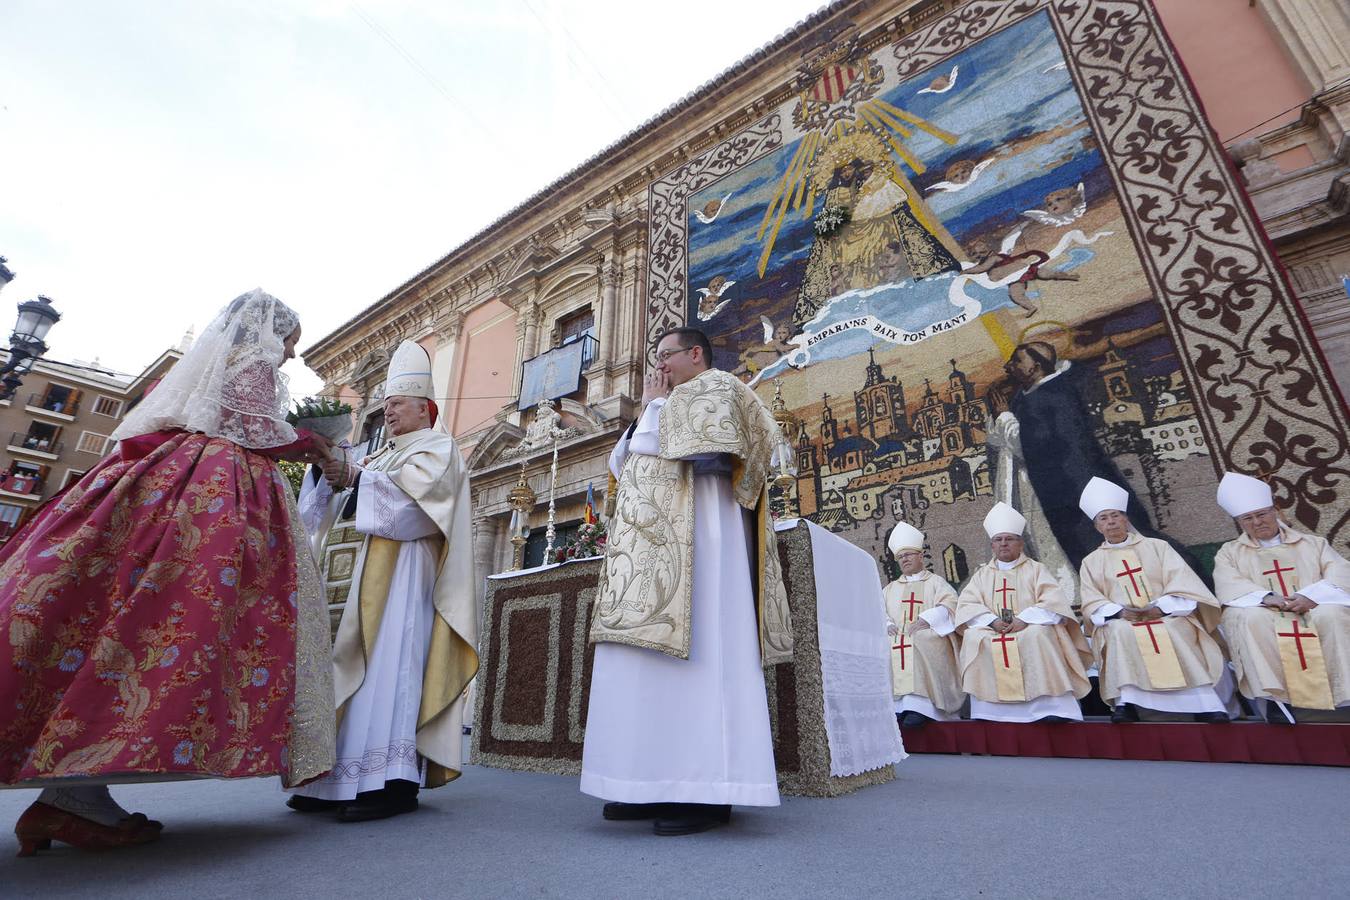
{"x": 1249, "y": 742}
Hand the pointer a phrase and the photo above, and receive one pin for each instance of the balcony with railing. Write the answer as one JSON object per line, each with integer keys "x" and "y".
{"x": 62, "y": 408}
{"x": 25, "y": 486}
{"x": 35, "y": 444}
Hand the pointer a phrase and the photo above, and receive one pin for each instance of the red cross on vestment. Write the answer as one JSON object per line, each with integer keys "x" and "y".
{"x": 1002, "y": 640}
{"x": 1298, "y": 637}
{"x": 1126, "y": 570}
{"x": 911, "y": 603}
{"x": 1151, "y": 636}
{"x": 1005, "y": 591}
{"x": 1278, "y": 571}
{"x": 902, "y": 647}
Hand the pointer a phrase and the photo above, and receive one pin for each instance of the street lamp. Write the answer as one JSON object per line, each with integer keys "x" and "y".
{"x": 27, "y": 342}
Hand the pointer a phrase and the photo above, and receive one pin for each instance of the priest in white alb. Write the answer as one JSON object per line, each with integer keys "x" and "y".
{"x": 405, "y": 648}
{"x": 921, "y": 619}
{"x": 1286, "y": 599}
{"x": 1023, "y": 655}
{"x": 1151, "y": 619}
{"x": 678, "y": 723}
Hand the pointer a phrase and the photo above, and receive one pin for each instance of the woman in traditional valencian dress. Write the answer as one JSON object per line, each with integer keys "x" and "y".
{"x": 162, "y": 618}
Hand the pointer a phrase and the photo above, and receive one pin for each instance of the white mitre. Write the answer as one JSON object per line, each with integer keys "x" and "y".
{"x": 409, "y": 372}
{"x": 1099, "y": 495}
{"x": 905, "y": 536}
{"x": 1240, "y": 494}
{"x": 1003, "y": 519}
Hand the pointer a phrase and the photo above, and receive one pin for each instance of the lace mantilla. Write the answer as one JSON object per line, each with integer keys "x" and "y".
{"x": 228, "y": 385}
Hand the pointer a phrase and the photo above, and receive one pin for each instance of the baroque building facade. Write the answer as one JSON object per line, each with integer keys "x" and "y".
{"x": 574, "y": 259}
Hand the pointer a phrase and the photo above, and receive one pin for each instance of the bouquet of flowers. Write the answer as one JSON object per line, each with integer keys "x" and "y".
{"x": 588, "y": 541}
{"x": 323, "y": 416}
{"x": 830, "y": 220}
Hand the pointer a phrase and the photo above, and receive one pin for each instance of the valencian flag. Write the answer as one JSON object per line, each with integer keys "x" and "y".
{"x": 589, "y": 515}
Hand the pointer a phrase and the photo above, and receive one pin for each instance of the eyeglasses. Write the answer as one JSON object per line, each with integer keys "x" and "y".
{"x": 667, "y": 354}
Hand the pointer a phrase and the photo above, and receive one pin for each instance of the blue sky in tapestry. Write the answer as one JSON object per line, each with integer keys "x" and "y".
{"x": 1013, "y": 105}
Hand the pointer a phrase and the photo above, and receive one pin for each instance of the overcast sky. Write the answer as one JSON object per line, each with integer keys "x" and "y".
{"x": 158, "y": 158}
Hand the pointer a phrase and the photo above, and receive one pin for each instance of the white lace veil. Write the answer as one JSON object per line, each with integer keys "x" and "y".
{"x": 228, "y": 384}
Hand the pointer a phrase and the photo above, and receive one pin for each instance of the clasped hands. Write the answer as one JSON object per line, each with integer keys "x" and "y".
{"x": 1295, "y": 603}
{"x": 1147, "y": 614}
{"x": 1011, "y": 627}
{"x": 337, "y": 470}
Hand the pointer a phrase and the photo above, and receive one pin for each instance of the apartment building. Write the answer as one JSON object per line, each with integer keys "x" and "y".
{"x": 58, "y": 426}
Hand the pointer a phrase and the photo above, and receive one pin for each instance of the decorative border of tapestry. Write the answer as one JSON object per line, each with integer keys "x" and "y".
{"x": 923, "y": 205}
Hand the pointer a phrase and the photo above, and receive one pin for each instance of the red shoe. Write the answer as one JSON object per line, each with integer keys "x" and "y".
{"x": 41, "y": 824}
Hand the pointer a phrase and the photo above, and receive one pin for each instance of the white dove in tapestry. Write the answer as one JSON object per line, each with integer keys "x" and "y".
{"x": 961, "y": 175}
{"x": 708, "y": 214}
{"x": 941, "y": 84}
{"x": 1062, "y": 207}
{"x": 1057, "y": 67}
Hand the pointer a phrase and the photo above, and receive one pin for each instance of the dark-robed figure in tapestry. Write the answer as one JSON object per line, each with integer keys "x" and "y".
{"x": 1060, "y": 452}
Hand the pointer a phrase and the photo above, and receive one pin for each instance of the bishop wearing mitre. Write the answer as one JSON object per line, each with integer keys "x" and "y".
{"x": 1286, "y": 606}
{"x": 405, "y": 648}
{"x": 1150, "y": 617}
{"x": 1023, "y": 656}
{"x": 921, "y": 619}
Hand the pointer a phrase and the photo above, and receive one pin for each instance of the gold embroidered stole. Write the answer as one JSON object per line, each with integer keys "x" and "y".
{"x": 1279, "y": 570}
{"x": 1008, "y": 676}
{"x": 1005, "y": 599}
{"x": 1305, "y": 671}
{"x": 1151, "y": 638}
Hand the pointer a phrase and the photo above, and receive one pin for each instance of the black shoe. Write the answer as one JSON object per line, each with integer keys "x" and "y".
{"x": 1053, "y": 720}
{"x": 370, "y": 810}
{"x": 1212, "y": 717}
{"x": 1274, "y": 716}
{"x": 913, "y": 720}
{"x": 304, "y": 804}
{"x": 394, "y": 799}
{"x": 691, "y": 818}
{"x": 632, "y": 812}
{"x": 1123, "y": 713}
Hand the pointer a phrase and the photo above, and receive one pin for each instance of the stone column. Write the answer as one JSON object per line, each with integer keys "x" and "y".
{"x": 607, "y": 325}
{"x": 484, "y": 541}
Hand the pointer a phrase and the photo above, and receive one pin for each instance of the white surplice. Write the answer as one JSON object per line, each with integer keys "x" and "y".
{"x": 667, "y": 730}
{"x": 377, "y": 739}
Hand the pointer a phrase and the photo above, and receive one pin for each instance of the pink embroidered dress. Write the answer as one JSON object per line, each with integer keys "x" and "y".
{"x": 163, "y": 617}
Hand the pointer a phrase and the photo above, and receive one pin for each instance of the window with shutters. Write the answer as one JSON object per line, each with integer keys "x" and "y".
{"x": 92, "y": 442}
{"x": 108, "y": 406}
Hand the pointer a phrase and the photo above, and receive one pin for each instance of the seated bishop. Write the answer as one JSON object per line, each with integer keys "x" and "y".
{"x": 1150, "y": 617}
{"x": 1023, "y": 655}
{"x": 1286, "y": 610}
{"x": 920, "y": 613}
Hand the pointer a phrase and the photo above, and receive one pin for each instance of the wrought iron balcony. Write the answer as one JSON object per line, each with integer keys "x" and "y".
{"x": 35, "y": 443}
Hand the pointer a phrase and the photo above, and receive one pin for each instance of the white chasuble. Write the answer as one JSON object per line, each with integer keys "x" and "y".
{"x": 924, "y": 675}
{"x": 661, "y": 729}
{"x": 1036, "y": 672}
{"x": 1170, "y": 664}
{"x": 1300, "y": 660}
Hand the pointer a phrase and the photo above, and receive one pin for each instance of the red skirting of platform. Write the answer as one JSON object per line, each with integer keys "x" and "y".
{"x": 1313, "y": 745}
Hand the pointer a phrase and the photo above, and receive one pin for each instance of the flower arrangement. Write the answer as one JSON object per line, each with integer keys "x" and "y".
{"x": 588, "y": 541}
{"x": 322, "y": 415}
{"x": 830, "y": 220}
